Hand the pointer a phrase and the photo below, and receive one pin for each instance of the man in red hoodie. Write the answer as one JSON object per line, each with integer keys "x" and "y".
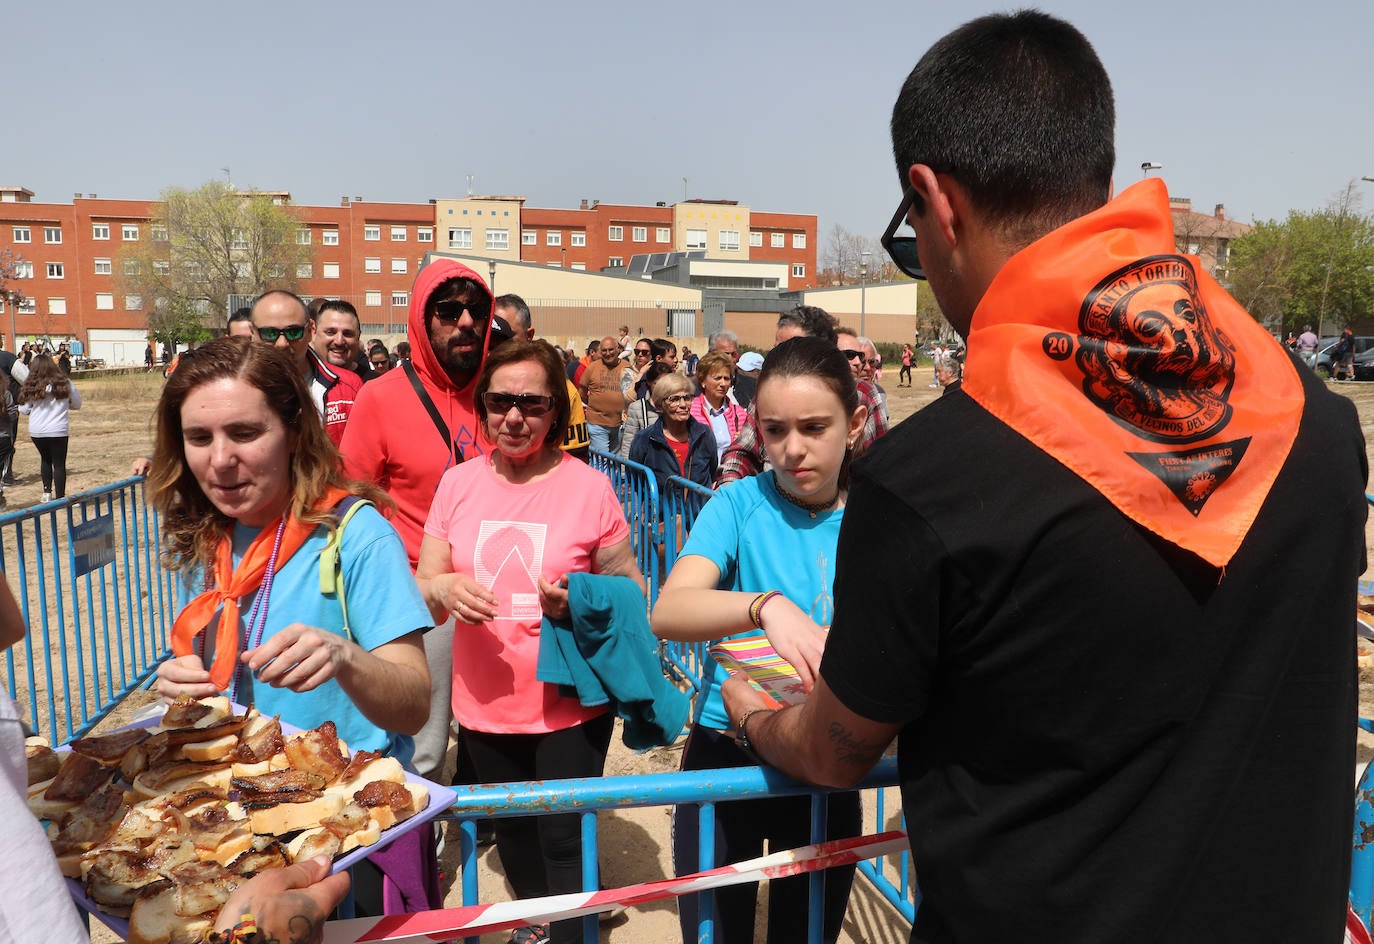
{"x": 411, "y": 425}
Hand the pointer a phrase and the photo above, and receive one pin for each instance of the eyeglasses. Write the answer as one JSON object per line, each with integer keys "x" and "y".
{"x": 529, "y": 404}
{"x": 293, "y": 333}
{"x": 677, "y": 398}
{"x": 902, "y": 249}
{"x": 853, "y": 355}
{"x": 451, "y": 310}
{"x": 642, "y": 352}
{"x": 875, "y": 362}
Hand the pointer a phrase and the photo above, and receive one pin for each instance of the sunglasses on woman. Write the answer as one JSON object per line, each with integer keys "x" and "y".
{"x": 529, "y": 404}
{"x": 293, "y": 333}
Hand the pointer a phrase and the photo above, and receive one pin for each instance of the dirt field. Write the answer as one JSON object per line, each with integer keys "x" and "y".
{"x": 112, "y": 429}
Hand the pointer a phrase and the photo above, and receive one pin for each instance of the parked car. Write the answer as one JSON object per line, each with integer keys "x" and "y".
{"x": 1363, "y": 343}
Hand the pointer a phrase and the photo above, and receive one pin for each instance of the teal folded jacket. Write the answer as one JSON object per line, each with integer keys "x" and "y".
{"x": 607, "y": 653}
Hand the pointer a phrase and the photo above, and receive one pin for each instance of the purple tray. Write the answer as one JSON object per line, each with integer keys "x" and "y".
{"x": 440, "y": 799}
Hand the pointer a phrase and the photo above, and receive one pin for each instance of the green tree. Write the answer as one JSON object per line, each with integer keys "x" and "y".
{"x": 1316, "y": 267}
{"x": 207, "y": 244}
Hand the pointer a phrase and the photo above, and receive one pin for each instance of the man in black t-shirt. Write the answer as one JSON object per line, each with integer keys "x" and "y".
{"x": 1113, "y": 723}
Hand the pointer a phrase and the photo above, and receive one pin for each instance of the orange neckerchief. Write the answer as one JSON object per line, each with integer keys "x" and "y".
{"x": 1132, "y": 367}
{"x": 231, "y": 583}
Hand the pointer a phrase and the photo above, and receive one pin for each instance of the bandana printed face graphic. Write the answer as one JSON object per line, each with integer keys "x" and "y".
{"x": 1137, "y": 372}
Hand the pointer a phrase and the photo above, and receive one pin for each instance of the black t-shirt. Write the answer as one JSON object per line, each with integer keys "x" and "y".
{"x": 1105, "y": 738}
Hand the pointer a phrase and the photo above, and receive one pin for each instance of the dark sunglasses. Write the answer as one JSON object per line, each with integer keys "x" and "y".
{"x": 529, "y": 404}
{"x": 293, "y": 333}
{"x": 642, "y": 352}
{"x": 853, "y": 355}
{"x": 875, "y": 362}
{"x": 902, "y": 249}
{"x": 451, "y": 310}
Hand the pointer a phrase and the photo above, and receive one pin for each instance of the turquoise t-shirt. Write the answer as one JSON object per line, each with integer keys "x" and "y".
{"x": 760, "y": 542}
{"x": 384, "y": 604}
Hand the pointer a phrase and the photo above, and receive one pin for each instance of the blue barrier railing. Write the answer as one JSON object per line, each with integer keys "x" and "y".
{"x": 704, "y": 788}
{"x": 98, "y": 605}
{"x": 681, "y": 501}
{"x": 638, "y": 493}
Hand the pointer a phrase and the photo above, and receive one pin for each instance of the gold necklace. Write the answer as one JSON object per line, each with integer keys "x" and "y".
{"x": 811, "y": 508}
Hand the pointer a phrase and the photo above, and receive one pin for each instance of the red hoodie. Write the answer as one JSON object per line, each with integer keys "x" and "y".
{"x": 390, "y": 438}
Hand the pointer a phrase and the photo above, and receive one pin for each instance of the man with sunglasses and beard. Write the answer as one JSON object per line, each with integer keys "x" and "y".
{"x": 414, "y": 423}
{"x": 1058, "y": 586}
{"x": 280, "y": 318}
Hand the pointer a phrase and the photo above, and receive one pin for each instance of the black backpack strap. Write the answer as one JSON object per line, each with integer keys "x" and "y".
{"x": 433, "y": 412}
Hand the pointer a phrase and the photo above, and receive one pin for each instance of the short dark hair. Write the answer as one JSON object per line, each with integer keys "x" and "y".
{"x": 819, "y": 359}
{"x": 241, "y": 314}
{"x": 517, "y": 304}
{"x": 338, "y": 304}
{"x": 661, "y": 347}
{"x": 1019, "y": 110}
{"x": 815, "y": 322}
{"x": 518, "y": 350}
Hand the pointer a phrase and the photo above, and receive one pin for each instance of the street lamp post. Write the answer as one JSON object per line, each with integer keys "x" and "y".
{"x": 1148, "y": 166}
{"x": 491, "y": 276}
{"x": 863, "y": 292}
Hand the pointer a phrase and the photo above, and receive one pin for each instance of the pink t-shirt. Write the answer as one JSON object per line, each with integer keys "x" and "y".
{"x": 507, "y": 536}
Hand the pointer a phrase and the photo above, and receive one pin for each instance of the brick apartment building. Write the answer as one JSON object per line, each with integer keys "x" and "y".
{"x": 364, "y": 251}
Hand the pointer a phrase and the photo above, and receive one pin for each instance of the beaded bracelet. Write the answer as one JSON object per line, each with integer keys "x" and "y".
{"x": 245, "y": 931}
{"x": 756, "y": 607}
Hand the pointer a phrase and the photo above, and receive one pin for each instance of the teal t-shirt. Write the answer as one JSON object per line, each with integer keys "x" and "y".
{"x": 384, "y": 604}
{"x": 760, "y": 541}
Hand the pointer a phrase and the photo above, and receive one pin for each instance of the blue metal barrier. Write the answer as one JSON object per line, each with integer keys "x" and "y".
{"x": 1362, "y": 856}
{"x": 98, "y": 605}
{"x": 638, "y": 493}
{"x": 681, "y": 502}
{"x": 586, "y": 797}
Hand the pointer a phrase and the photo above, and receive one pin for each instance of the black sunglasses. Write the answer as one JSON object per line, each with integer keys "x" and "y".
{"x": 902, "y": 249}
{"x": 451, "y": 310}
{"x": 853, "y": 355}
{"x": 643, "y": 351}
{"x": 293, "y": 333}
{"x": 529, "y": 404}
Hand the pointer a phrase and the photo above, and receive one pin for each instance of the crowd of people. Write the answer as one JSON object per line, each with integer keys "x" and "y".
{"x": 1055, "y": 595}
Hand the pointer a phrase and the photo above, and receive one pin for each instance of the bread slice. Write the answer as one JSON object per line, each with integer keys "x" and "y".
{"x": 288, "y": 817}
{"x": 383, "y": 768}
{"x": 385, "y": 817}
{"x": 148, "y": 784}
{"x": 215, "y": 749}
{"x": 154, "y": 920}
{"x": 366, "y": 836}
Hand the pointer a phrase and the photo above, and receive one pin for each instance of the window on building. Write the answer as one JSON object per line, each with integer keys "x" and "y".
{"x": 615, "y": 233}
{"x": 577, "y": 239}
{"x": 579, "y": 266}
{"x": 133, "y": 302}
{"x": 302, "y": 237}
{"x": 460, "y": 237}
{"x": 775, "y": 240}
{"x": 304, "y": 270}
{"x": 158, "y": 234}
{"x": 103, "y": 267}
{"x": 729, "y": 239}
{"x": 639, "y": 234}
{"x": 373, "y": 299}
{"x": 798, "y": 270}
{"x": 129, "y": 233}
{"x": 424, "y": 234}
{"x": 398, "y": 267}
{"x": 23, "y": 270}
{"x": 696, "y": 239}
{"x": 498, "y": 239}
{"x": 553, "y": 238}
{"x": 529, "y": 237}
{"x": 22, "y": 234}
{"x": 372, "y": 265}
{"x": 100, "y": 231}
{"x": 132, "y": 267}
{"x": 615, "y": 262}
{"x": 554, "y": 265}
{"x": 330, "y": 270}
{"x": 372, "y": 233}
{"x": 798, "y": 240}
{"x": 755, "y": 238}
{"x": 104, "y": 301}
{"x": 56, "y": 270}
{"x": 57, "y": 306}
{"x": 400, "y": 299}
{"x": 26, "y": 306}
{"x": 162, "y": 267}
{"x": 329, "y": 237}
{"x": 664, "y": 234}
{"x": 239, "y": 241}
{"x": 52, "y": 235}
{"x": 398, "y": 234}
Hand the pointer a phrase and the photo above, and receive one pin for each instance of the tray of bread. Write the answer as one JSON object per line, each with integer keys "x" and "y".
{"x": 154, "y": 825}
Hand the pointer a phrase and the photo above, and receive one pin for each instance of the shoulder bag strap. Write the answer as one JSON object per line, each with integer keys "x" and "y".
{"x": 331, "y": 558}
{"x": 433, "y": 411}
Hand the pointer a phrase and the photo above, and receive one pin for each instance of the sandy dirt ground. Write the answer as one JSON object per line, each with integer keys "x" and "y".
{"x": 113, "y": 428}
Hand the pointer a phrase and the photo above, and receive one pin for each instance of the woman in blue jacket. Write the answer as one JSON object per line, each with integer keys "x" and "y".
{"x": 677, "y": 444}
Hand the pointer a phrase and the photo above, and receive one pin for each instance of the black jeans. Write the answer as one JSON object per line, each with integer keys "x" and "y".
{"x": 741, "y": 828}
{"x": 52, "y": 451}
{"x": 542, "y": 855}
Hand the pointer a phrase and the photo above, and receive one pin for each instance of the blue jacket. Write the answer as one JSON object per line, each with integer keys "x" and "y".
{"x": 651, "y": 449}
{"x": 608, "y": 653}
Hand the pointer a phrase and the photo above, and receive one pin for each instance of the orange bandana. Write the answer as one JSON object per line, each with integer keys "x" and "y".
{"x": 1132, "y": 367}
{"x": 232, "y": 583}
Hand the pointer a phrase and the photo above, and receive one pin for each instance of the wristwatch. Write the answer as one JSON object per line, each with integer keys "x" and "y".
{"x": 742, "y": 733}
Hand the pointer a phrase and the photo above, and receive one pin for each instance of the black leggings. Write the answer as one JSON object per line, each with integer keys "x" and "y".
{"x": 904, "y": 374}
{"x": 741, "y": 828}
{"x": 52, "y": 451}
{"x": 542, "y": 855}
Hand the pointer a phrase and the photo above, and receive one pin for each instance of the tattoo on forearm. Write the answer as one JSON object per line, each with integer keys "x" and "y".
{"x": 850, "y": 749}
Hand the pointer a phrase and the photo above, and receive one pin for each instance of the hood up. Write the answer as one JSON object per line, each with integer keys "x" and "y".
{"x": 439, "y": 271}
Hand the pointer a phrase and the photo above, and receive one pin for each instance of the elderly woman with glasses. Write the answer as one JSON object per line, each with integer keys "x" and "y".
{"x": 677, "y": 444}
{"x": 503, "y": 533}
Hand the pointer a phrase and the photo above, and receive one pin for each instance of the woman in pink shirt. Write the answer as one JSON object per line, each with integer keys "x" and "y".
{"x": 713, "y": 407}
{"x": 503, "y": 533}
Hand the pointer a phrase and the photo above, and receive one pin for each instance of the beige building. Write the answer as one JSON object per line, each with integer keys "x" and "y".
{"x": 721, "y": 228}
{"x": 486, "y": 227}
{"x": 1207, "y": 237}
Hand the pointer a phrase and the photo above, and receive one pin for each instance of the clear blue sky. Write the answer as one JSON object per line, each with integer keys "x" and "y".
{"x": 780, "y": 105}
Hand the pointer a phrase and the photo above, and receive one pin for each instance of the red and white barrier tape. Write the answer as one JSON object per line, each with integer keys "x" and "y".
{"x": 472, "y": 920}
{"x": 1355, "y": 931}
